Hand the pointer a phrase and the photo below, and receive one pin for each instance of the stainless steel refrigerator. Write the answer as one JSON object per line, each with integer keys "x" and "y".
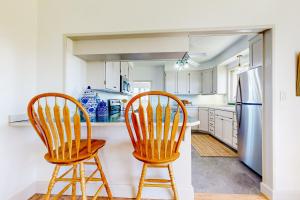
{"x": 249, "y": 117}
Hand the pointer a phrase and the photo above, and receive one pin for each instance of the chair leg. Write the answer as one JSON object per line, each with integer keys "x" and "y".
{"x": 52, "y": 182}
{"x": 171, "y": 174}
{"x": 82, "y": 181}
{"x": 104, "y": 180}
{"x": 74, "y": 182}
{"x": 142, "y": 179}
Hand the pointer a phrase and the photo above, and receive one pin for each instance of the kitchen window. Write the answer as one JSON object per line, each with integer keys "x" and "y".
{"x": 233, "y": 81}
{"x": 139, "y": 87}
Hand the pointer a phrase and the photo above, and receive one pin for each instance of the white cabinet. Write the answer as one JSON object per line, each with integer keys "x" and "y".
{"x": 211, "y": 121}
{"x": 220, "y": 80}
{"x": 171, "y": 82}
{"x": 227, "y": 130}
{"x": 194, "y": 113}
{"x": 224, "y": 129}
{"x": 203, "y": 117}
{"x": 130, "y": 72}
{"x": 256, "y": 51}
{"x": 125, "y": 69}
{"x": 195, "y": 82}
{"x": 95, "y": 75}
{"x": 218, "y": 127}
{"x": 112, "y": 76}
{"x": 207, "y": 81}
{"x": 183, "y": 82}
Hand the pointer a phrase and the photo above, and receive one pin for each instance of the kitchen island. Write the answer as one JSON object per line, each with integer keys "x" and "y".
{"x": 122, "y": 169}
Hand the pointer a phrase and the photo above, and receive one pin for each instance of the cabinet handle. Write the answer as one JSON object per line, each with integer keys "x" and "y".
{"x": 115, "y": 86}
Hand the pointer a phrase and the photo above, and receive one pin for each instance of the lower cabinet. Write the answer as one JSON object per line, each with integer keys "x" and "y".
{"x": 203, "y": 117}
{"x": 218, "y": 127}
{"x": 227, "y": 130}
{"x": 224, "y": 128}
{"x": 194, "y": 113}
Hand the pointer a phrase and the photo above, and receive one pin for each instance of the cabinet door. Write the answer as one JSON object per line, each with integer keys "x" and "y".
{"x": 125, "y": 69}
{"x": 194, "y": 113}
{"x": 207, "y": 81}
{"x": 256, "y": 51}
{"x": 227, "y": 131}
{"x": 112, "y": 76}
{"x": 171, "y": 82}
{"x": 183, "y": 82}
{"x": 203, "y": 117}
{"x": 219, "y": 127}
{"x": 195, "y": 82}
{"x": 130, "y": 72}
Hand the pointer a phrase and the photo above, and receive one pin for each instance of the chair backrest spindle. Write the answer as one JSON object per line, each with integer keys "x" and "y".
{"x": 54, "y": 129}
{"x": 156, "y": 139}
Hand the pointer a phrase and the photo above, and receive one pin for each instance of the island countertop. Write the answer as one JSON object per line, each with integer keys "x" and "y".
{"x": 110, "y": 120}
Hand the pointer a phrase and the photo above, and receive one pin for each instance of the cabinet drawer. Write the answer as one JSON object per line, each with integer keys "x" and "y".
{"x": 223, "y": 113}
{"x": 211, "y": 123}
{"x": 234, "y": 133}
{"x": 235, "y": 125}
{"x": 211, "y": 112}
{"x": 234, "y": 146}
{"x": 212, "y": 118}
{"x": 234, "y": 140}
{"x": 211, "y": 129}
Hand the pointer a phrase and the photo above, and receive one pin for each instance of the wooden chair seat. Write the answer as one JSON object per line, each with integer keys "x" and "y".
{"x": 83, "y": 152}
{"x": 160, "y": 156}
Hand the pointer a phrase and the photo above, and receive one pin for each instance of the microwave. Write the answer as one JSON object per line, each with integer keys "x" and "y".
{"x": 124, "y": 85}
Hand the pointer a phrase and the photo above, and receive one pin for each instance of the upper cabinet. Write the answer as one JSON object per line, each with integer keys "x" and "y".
{"x": 219, "y": 80}
{"x": 256, "y": 51}
{"x": 125, "y": 69}
{"x": 183, "y": 82}
{"x": 171, "y": 82}
{"x": 112, "y": 76}
{"x": 195, "y": 83}
{"x": 207, "y": 81}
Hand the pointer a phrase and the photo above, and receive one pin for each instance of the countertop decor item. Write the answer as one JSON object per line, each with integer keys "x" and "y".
{"x": 298, "y": 76}
{"x": 90, "y": 100}
{"x": 102, "y": 109}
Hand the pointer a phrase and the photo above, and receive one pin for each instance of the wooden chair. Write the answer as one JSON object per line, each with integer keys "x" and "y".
{"x": 156, "y": 142}
{"x": 66, "y": 146}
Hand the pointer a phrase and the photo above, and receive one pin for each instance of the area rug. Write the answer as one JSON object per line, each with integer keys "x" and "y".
{"x": 208, "y": 146}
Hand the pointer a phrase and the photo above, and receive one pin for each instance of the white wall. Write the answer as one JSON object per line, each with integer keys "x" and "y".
{"x": 18, "y": 147}
{"x": 75, "y": 71}
{"x": 155, "y": 74}
{"x": 58, "y": 17}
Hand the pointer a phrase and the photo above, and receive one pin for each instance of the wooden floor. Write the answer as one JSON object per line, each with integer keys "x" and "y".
{"x": 208, "y": 146}
{"x": 198, "y": 196}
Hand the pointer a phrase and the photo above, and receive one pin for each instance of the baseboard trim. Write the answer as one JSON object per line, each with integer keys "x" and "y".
{"x": 25, "y": 193}
{"x": 118, "y": 190}
{"x": 266, "y": 190}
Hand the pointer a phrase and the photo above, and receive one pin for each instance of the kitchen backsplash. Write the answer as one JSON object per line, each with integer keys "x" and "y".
{"x": 205, "y": 99}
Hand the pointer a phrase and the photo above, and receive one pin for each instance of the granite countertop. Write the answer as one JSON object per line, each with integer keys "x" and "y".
{"x": 110, "y": 120}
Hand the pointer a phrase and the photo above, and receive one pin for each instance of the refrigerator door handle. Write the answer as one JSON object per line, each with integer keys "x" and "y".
{"x": 238, "y": 110}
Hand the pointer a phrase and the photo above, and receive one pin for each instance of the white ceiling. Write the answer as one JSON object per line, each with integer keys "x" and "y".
{"x": 204, "y": 48}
